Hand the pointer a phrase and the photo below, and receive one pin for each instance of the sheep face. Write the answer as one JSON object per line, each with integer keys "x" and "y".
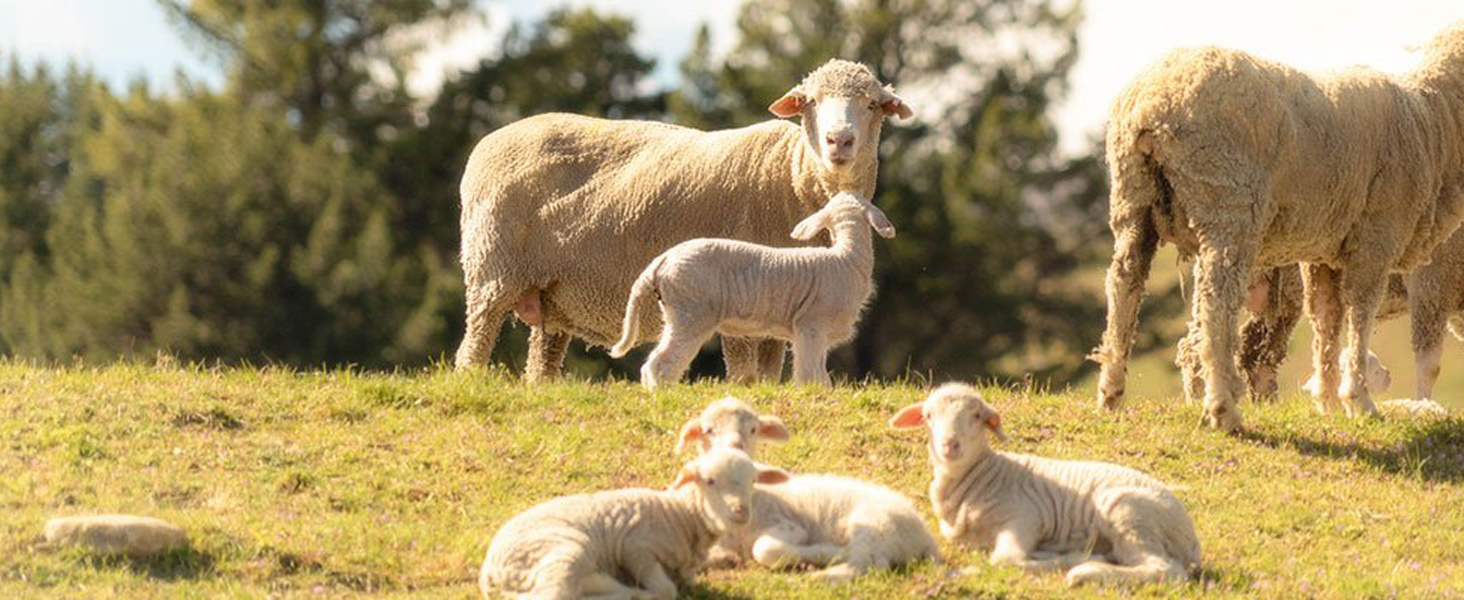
{"x": 843, "y": 106}
{"x": 958, "y": 420}
{"x": 730, "y": 423}
{"x": 723, "y": 480}
{"x": 844, "y": 209}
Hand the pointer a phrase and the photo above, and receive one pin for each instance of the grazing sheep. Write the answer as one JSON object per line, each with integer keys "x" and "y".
{"x": 1433, "y": 294}
{"x": 1247, "y": 164}
{"x": 1042, "y": 514}
{"x": 560, "y": 211}
{"x": 844, "y": 525}
{"x": 628, "y": 543}
{"x": 810, "y": 296}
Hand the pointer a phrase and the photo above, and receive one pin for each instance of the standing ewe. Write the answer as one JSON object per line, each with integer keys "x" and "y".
{"x": 1042, "y": 514}
{"x": 810, "y": 296}
{"x": 589, "y": 544}
{"x": 558, "y": 210}
{"x": 844, "y": 525}
{"x": 1245, "y": 163}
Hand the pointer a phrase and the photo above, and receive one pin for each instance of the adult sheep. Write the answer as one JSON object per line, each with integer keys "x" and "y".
{"x": 1244, "y": 163}
{"x": 560, "y": 212}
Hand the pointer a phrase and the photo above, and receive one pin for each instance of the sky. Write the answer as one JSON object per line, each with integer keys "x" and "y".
{"x": 127, "y": 39}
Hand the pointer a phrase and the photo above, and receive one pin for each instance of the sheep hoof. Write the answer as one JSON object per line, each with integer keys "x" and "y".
{"x": 1224, "y": 419}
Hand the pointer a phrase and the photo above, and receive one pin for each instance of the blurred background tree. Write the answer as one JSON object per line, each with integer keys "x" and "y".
{"x": 306, "y": 212}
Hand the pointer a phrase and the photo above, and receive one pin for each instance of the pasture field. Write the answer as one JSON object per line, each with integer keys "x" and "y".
{"x": 342, "y": 483}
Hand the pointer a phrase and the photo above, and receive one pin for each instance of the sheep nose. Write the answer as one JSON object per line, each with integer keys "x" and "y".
{"x": 738, "y": 445}
{"x": 843, "y": 138}
{"x": 739, "y": 513}
{"x": 950, "y": 448}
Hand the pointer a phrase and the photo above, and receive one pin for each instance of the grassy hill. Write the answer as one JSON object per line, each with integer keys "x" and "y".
{"x": 344, "y": 483}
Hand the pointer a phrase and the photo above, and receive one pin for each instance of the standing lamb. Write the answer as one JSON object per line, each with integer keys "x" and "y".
{"x": 1042, "y": 514}
{"x": 810, "y": 296}
{"x": 588, "y": 545}
{"x": 1247, "y": 164}
{"x": 842, "y": 525}
{"x": 559, "y": 211}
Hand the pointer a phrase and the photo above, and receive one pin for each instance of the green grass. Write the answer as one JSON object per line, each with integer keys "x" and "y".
{"x": 343, "y": 483}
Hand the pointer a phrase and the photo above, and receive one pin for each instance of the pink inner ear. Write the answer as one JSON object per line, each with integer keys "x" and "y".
{"x": 772, "y": 476}
{"x": 897, "y": 108}
{"x": 910, "y": 416}
{"x": 993, "y": 422}
{"x": 787, "y": 106}
{"x": 689, "y": 433}
{"x": 684, "y": 478}
{"x": 772, "y": 429}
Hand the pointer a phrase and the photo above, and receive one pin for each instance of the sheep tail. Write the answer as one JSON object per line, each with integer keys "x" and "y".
{"x": 643, "y": 289}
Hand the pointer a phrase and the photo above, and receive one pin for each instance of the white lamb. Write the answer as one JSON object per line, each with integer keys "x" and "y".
{"x": 1042, "y": 514}
{"x": 843, "y": 525}
{"x": 629, "y": 543}
{"x": 810, "y": 296}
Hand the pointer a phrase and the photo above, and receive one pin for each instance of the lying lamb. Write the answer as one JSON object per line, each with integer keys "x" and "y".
{"x": 588, "y": 545}
{"x": 818, "y": 520}
{"x": 811, "y": 296}
{"x": 1043, "y": 514}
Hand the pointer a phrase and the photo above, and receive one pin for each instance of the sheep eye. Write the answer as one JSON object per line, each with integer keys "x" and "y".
{"x": 873, "y": 106}
{"x": 711, "y": 482}
{"x": 710, "y": 431}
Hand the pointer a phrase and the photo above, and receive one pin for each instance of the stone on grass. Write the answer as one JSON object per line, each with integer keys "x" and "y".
{"x": 124, "y": 535}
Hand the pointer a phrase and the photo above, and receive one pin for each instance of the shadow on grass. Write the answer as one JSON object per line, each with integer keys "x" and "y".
{"x": 700, "y": 590}
{"x": 1431, "y": 451}
{"x": 168, "y": 566}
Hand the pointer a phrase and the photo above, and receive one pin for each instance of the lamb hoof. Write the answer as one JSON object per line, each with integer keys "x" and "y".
{"x": 836, "y": 575}
{"x": 1084, "y": 574}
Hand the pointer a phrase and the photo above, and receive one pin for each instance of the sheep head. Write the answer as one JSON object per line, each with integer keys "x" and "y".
{"x": 730, "y": 423}
{"x": 958, "y": 420}
{"x": 842, "y": 105}
{"x": 721, "y": 482}
{"x": 844, "y": 208}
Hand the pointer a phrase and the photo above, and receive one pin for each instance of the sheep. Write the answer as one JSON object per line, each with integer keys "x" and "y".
{"x": 559, "y": 210}
{"x": 1432, "y": 294}
{"x": 1245, "y": 164}
{"x": 627, "y": 543}
{"x": 1042, "y": 514}
{"x": 811, "y": 296}
{"x": 844, "y": 525}
{"x": 730, "y": 423}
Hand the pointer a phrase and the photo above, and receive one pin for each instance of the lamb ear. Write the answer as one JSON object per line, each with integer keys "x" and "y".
{"x": 892, "y": 105}
{"x": 809, "y": 227}
{"x": 791, "y": 104}
{"x": 687, "y": 475}
{"x": 767, "y": 475}
{"x": 772, "y": 428}
{"x": 910, "y": 416}
{"x": 993, "y": 422}
{"x": 879, "y": 221}
{"x": 689, "y": 433}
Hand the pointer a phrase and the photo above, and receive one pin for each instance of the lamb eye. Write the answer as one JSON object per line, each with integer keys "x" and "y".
{"x": 711, "y": 482}
{"x": 873, "y": 106}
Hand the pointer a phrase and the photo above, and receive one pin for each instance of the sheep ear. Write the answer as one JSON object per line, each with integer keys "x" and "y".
{"x": 687, "y": 475}
{"x": 993, "y": 422}
{"x": 809, "y": 227}
{"x": 772, "y": 428}
{"x": 879, "y": 221}
{"x": 790, "y": 104}
{"x": 892, "y": 105}
{"x": 910, "y": 416}
{"x": 690, "y": 432}
{"x": 767, "y": 475}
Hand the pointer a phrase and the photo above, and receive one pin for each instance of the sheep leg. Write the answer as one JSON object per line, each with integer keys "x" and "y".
{"x": 1324, "y": 309}
{"x": 781, "y": 546}
{"x": 681, "y": 338}
{"x": 1266, "y": 334}
{"x": 1223, "y": 270}
{"x": 740, "y": 354}
{"x": 865, "y": 551}
{"x": 1016, "y": 546}
{"x": 1133, "y": 253}
{"x": 546, "y": 354}
{"x": 1363, "y": 289}
{"x": 1132, "y": 519}
{"x": 1428, "y": 322}
{"x": 770, "y": 353}
{"x": 649, "y": 573}
{"x": 810, "y": 351}
{"x": 488, "y": 305}
{"x": 1187, "y": 356}
{"x": 600, "y": 586}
